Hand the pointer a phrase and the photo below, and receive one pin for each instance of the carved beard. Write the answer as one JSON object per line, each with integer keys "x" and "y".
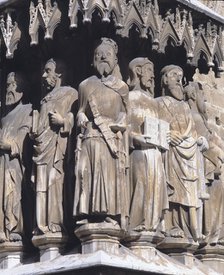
{"x": 103, "y": 68}
{"x": 12, "y": 98}
{"x": 176, "y": 91}
{"x": 49, "y": 83}
{"x": 148, "y": 83}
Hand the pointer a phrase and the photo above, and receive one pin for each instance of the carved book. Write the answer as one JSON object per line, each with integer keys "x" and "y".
{"x": 156, "y": 129}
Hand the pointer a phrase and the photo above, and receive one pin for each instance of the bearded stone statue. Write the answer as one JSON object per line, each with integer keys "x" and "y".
{"x": 15, "y": 126}
{"x": 149, "y": 198}
{"x": 52, "y": 129}
{"x": 101, "y": 187}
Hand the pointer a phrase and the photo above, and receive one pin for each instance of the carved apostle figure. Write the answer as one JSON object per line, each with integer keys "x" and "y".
{"x": 14, "y": 130}
{"x": 214, "y": 155}
{"x": 100, "y": 182}
{"x": 181, "y": 162}
{"x": 149, "y": 197}
{"x": 213, "y": 159}
{"x": 52, "y": 129}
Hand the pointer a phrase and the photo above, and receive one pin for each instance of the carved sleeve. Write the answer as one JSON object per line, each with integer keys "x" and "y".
{"x": 18, "y": 141}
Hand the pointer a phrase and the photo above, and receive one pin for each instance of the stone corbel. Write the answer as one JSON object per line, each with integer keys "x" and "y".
{"x": 47, "y": 16}
{"x": 11, "y": 34}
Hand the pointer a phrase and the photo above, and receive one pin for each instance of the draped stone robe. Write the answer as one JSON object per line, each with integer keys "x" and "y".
{"x": 182, "y": 172}
{"x": 101, "y": 182}
{"x": 14, "y": 129}
{"x": 149, "y": 197}
{"x": 52, "y": 150}
{"x": 181, "y": 160}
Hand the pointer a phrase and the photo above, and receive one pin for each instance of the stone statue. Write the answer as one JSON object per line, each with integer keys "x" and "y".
{"x": 52, "y": 129}
{"x": 100, "y": 193}
{"x": 181, "y": 161}
{"x": 14, "y": 141}
{"x": 214, "y": 155}
{"x": 213, "y": 161}
{"x": 149, "y": 197}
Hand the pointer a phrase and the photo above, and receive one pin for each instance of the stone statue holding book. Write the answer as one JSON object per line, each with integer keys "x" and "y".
{"x": 148, "y": 137}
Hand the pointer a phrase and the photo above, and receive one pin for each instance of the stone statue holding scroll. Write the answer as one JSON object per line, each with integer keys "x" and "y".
{"x": 101, "y": 189}
{"x": 14, "y": 142}
{"x": 149, "y": 198}
{"x": 181, "y": 162}
{"x": 52, "y": 129}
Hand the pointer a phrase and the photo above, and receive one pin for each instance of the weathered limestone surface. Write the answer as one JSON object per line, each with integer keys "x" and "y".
{"x": 124, "y": 263}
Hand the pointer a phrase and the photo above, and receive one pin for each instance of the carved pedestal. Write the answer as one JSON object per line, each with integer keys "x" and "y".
{"x": 212, "y": 256}
{"x": 10, "y": 254}
{"x": 143, "y": 244}
{"x": 50, "y": 245}
{"x": 180, "y": 249}
{"x": 100, "y": 236}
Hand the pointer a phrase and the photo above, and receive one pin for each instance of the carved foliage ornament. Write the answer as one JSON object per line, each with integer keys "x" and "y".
{"x": 47, "y": 16}
{"x": 11, "y": 34}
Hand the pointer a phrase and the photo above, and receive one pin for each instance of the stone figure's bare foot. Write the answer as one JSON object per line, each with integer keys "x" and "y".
{"x": 110, "y": 220}
{"x": 53, "y": 227}
{"x": 2, "y": 237}
{"x": 15, "y": 237}
{"x": 176, "y": 233}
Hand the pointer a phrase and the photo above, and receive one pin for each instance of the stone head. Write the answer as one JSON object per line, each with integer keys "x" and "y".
{"x": 141, "y": 71}
{"x": 171, "y": 81}
{"x": 105, "y": 57}
{"x": 195, "y": 95}
{"x": 14, "y": 89}
{"x": 190, "y": 92}
{"x": 51, "y": 78}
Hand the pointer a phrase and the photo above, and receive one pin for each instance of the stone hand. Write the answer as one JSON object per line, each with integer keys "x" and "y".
{"x": 202, "y": 144}
{"x": 82, "y": 120}
{"x": 5, "y": 145}
{"x": 117, "y": 127}
{"x": 168, "y": 137}
{"x": 175, "y": 138}
{"x": 56, "y": 118}
{"x": 142, "y": 140}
